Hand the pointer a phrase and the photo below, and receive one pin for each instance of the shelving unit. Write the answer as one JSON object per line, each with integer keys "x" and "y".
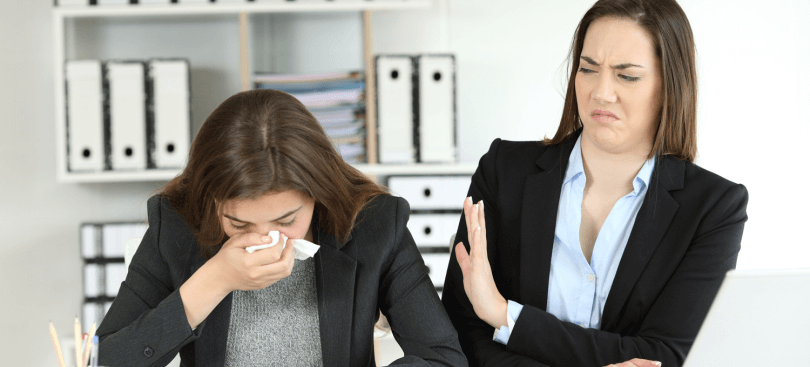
{"x": 62, "y": 14}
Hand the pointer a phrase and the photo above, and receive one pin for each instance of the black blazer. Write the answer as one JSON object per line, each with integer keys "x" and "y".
{"x": 685, "y": 238}
{"x": 378, "y": 268}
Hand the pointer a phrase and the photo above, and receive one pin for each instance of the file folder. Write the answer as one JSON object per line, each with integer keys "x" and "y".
{"x": 170, "y": 113}
{"x": 437, "y": 110}
{"x": 114, "y": 275}
{"x": 395, "y": 118}
{"x": 85, "y": 115}
{"x": 431, "y": 192}
{"x": 127, "y": 115}
{"x": 93, "y": 280}
{"x": 91, "y": 241}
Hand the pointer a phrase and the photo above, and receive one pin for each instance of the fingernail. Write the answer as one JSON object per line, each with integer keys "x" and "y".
{"x": 266, "y": 239}
{"x": 657, "y": 363}
{"x": 482, "y": 204}
{"x": 478, "y": 229}
{"x": 292, "y": 241}
{"x": 469, "y": 198}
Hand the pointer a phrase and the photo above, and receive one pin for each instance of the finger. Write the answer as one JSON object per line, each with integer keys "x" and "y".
{"x": 467, "y": 213}
{"x": 268, "y": 255}
{"x": 644, "y": 362}
{"x": 476, "y": 252}
{"x": 463, "y": 258}
{"x": 246, "y": 240}
{"x": 482, "y": 222}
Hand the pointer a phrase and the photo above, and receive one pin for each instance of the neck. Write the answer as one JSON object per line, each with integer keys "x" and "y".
{"x": 612, "y": 169}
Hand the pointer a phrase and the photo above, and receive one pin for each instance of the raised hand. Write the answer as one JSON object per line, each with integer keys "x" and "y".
{"x": 479, "y": 285}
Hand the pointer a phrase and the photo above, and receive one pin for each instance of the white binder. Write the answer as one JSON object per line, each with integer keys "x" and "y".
{"x": 395, "y": 109}
{"x": 114, "y": 275}
{"x": 93, "y": 279}
{"x": 431, "y": 192}
{"x": 73, "y": 2}
{"x": 170, "y": 113}
{"x": 433, "y": 230}
{"x": 437, "y": 110}
{"x": 91, "y": 313}
{"x": 113, "y": 2}
{"x": 91, "y": 241}
{"x": 437, "y": 267}
{"x": 127, "y": 99}
{"x": 85, "y": 115}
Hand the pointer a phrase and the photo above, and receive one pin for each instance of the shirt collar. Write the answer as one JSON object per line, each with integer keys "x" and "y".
{"x": 576, "y": 169}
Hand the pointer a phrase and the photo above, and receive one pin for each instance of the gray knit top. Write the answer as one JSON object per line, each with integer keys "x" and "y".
{"x": 277, "y": 325}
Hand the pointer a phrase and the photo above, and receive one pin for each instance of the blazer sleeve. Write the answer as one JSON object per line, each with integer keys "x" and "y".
{"x": 667, "y": 332}
{"x": 146, "y": 324}
{"x": 475, "y": 335}
{"x": 409, "y": 301}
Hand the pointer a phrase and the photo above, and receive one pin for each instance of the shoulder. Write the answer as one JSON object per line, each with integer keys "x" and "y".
{"x": 383, "y": 214}
{"x": 513, "y": 153}
{"x": 707, "y": 184}
{"x": 171, "y": 231}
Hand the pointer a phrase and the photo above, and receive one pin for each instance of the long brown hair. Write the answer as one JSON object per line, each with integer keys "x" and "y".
{"x": 667, "y": 25}
{"x": 263, "y": 141}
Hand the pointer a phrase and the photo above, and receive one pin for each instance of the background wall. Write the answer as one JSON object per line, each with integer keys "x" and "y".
{"x": 753, "y": 120}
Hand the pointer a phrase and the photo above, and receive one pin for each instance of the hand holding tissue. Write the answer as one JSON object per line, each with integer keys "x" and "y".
{"x": 303, "y": 248}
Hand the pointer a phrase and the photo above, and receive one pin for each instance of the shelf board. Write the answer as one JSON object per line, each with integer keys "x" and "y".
{"x": 369, "y": 169}
{"x": 417, "y": 169}
{"x": 124, "y": 176}
{"x": 234, "y": 8}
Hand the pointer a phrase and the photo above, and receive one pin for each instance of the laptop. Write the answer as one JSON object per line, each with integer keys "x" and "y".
{"x": 759, "y": 318}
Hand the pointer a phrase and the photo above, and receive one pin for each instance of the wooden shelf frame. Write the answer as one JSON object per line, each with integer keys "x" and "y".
{"x": 61, "y": 15}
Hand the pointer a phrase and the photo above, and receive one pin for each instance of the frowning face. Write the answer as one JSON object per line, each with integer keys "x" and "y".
{"x": 288, "y": 212}
{"x": 619, "y": 88}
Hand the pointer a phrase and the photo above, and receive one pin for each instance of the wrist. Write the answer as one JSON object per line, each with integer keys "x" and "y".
{"x": 498, "y": 317}
{"x": 213, "y": 275}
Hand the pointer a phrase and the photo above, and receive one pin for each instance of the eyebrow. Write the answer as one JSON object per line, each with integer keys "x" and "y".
{"x": 619, "y": 67}
{"x": 291, "y": 212}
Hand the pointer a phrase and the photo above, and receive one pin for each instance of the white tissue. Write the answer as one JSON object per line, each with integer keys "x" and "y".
{"x": 303, "y": 248}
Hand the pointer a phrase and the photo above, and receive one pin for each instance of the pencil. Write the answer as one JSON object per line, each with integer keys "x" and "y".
{"x": 56, "y": 346}
{"x": 89, "y": 345}
{"x": 77, "y": 333}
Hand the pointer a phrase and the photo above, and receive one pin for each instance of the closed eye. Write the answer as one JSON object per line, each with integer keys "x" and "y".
{"x": 629, "y": 78}
{"x": 586, "y": 70}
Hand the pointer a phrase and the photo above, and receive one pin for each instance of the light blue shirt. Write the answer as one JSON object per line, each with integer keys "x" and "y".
{"x": 577, "y": 290}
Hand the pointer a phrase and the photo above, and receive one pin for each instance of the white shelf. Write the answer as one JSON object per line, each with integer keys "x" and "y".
{"x": 164, "y": 175}
{"x": 417, "y": 169}
{"x": 230, "y": 8}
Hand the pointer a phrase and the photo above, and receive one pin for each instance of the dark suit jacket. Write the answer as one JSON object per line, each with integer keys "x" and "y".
{"x": 685, "y": 238}
{"x": 379, "y": 267}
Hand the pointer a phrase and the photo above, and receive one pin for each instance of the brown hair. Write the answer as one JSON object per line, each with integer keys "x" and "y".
{"x": 667, "y": 25}
{"x": 263, "y": 141}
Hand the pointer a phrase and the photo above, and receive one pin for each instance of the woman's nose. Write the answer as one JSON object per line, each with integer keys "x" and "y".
{"x": 604, "y": 91}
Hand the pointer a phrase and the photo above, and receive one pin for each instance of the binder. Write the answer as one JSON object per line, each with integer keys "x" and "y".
{"x": 395, "y": 118}
{"x": 437, "y": 110}
{"x": 113, "y": 2}
{"x": 433, "y": 230}
{"x": 85, "y": 115}
{"x": 114, "y": 275}
{"x": 93, "y": 280}
{"x": 126, "y": 83}
{"x": 431, "y": 192}
{"x": 116, "y": 235}
{"x": 91, "y": 241}
{"x": 437, "y": 267}
{"x": 169, "y": 133}
{"x": 91, "y": 312}
{"x": 73, "y": 2}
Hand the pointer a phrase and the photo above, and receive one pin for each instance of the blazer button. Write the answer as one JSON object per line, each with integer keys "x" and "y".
{"x": 148, "y": 352}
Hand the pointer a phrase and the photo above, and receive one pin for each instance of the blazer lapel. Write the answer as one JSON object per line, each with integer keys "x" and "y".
{"x": 541, "y": 198}
{"x": 335, "y": 280}
{"x": 651, "y": 223}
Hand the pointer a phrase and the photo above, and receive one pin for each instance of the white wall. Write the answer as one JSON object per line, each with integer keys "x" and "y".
{"x": 754, "y": 88}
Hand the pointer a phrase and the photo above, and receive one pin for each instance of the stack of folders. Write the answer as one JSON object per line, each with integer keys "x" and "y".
{"x": 436, "y": 203}
{"x": 127, "y": 115}
{"x": 102, "y": 250}
{"x": 337, "y": 100}
{"x": 416, "y": 108}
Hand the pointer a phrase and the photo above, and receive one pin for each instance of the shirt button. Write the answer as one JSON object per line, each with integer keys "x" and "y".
{"x": 590, "y": 277}
{"x": 148, "y": 352}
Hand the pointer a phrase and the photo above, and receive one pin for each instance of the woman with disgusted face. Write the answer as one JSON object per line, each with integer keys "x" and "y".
{"x": 225, "y": 275}
{"x": 605, "y": 244}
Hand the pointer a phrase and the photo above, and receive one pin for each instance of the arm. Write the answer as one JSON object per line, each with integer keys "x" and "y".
{"x": 409, "y": 301}
{"x": 475, "y": 335}
{"x": 666, "y": 333}
{"x": 146, "y": 325}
